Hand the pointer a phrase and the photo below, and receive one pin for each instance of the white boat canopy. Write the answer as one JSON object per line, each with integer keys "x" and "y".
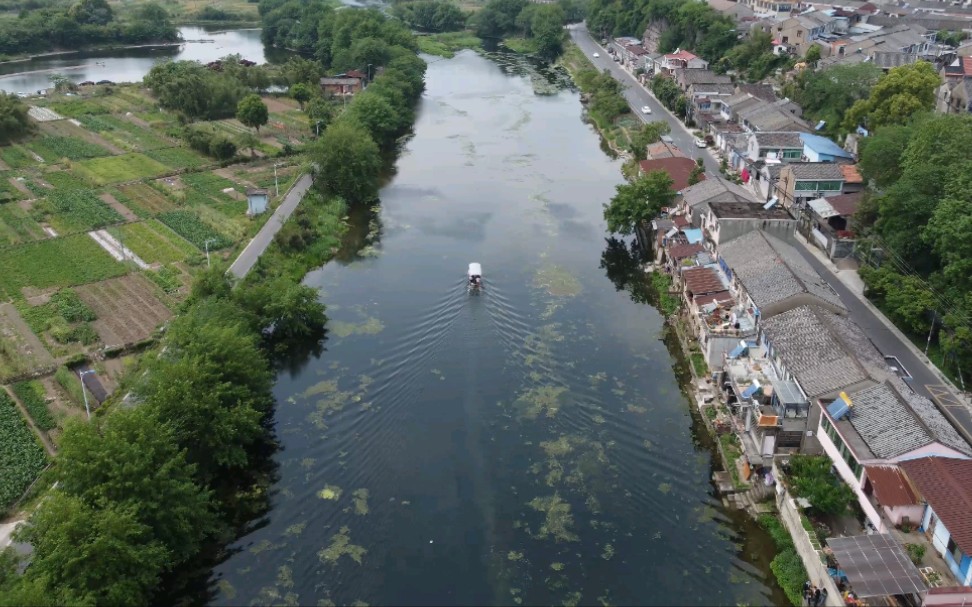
{"x": 475, "y": 269}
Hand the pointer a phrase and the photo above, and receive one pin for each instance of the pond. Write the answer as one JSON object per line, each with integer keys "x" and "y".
{"x": 527, "y": 445}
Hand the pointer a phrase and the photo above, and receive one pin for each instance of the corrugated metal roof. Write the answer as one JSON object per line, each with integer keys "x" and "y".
{"x": 891, "y": 486}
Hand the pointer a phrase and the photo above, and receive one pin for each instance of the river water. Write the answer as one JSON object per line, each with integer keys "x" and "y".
{"x": 528, "y": 445}
{"x": 131, "y": 64}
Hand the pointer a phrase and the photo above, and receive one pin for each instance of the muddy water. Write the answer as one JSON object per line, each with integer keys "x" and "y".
{"x": 526, "y": 445}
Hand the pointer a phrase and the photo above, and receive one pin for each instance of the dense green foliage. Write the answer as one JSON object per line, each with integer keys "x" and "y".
{"x": 691, "y": 25}
{"x": 21, "y": 455}
{"x": 650, "y": 132}
{"x": 84, "y": 23}
{"x": 14, "y": 122}
{"x": 920, "y": 232}
{"x": 899, "y": 95}
{"x": 195, "y": 91}
{"x": 638, "y": 202}
{"x": 811, "y": 478}
{"x": 541, "y": 22}
{"x": 31, "y": 395}
{"x": 207, "y": 140}
{"x": 668, "y": 93}
{"x": 828, "y": 94}
{"x": 252, "y": 112}
{"x": 606, "y": 102}
{"x": 431, "y": 15}
{"x": 786, "y": 565}
{"x": 753, "y": 58}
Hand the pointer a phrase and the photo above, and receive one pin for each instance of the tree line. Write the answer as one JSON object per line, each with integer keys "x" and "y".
{"x": 178, "y": 465}
{"x": 84, "y": 23}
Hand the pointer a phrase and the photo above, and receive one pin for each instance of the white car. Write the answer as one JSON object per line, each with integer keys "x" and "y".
{"x": 699, "y": 143}
{"x": 645, "y": 110}
{"x": 597, "y": 55}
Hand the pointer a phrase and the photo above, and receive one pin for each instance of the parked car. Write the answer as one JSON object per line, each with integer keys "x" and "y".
{"x": 699, "y": 143}
{"x": 645, "y": 109}
{"x": 597, "y": 55}
{"x": 617, "y": 58}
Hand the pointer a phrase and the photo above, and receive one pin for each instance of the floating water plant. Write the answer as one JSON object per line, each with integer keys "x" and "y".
{"x": 608, "y": 552}
{"x": 545, "y": 399}
{"x": 330, "y": 492}
{"x": 295, "y": 529}
{"x": 514, "y": 556}
{"x": 370, "y": 326}
{"x": 557, "y": 281}
{"x": 557, "y": 566}
{"x": 557, "y": 518}
{"x": 360, "y": 501}
{"x": 341, "y": 546}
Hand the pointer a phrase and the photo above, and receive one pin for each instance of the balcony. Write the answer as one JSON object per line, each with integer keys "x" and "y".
{"x": 732, "y": 323}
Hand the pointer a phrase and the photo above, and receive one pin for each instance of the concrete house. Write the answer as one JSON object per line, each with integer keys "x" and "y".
{"x": 694, "y": 200}
{"x": 885, "y": 425}
{"x": 955, "y": 93}
{"x": 681, "y": 59}
{"x": 769, "y": 117}
{"x": 800, "y": 183}
{"x": 727, "y": 221}
{"x": 801, "y": 30}
{"x": 823, "y": 149}
{"x": 945, "y": 487}
{"x": 829, "y": 224}
{"x": 341, "y": 87}
{"x": 786, "y": 145}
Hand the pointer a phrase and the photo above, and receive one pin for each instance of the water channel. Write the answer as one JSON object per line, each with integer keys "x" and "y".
{"x": 131, "y": 64}
{"x": 529, "y": 445}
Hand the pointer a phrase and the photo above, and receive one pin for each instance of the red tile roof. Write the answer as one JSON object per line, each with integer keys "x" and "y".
{"x": 846, "y": 204}
{"x": 891, "y": 486}
{"x": 681, "y": 221}
{"x": 354, "y": 74}
{"x": 851, "y": 174}
{"x": 702, "y": 281}
{"x": 946, "y": 484}
{"x": 720, "y": 297}
{"x": 683, "y": 250}
{"x": 682, "y": 54}
{"x": 679, "y": 169}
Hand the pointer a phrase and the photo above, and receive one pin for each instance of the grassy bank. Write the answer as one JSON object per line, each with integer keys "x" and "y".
{"x": 786, "y": 566}
{"x": 606, "y": 106}
{"x": 448, "y": 44}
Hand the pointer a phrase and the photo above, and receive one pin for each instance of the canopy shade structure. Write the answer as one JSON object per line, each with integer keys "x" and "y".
{"x": 876, "y": 565}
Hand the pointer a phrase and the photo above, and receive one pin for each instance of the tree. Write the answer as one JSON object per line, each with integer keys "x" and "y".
{"x": 252, "y": 112}
{"x": 903, "y": 92}
{"x": 88, "y": 555}
{"x": 349, "y": 162}
{"x": 301, "y": 93}
{"x": 547, "y": 29}
{"x": 666, "y": 91}
{"x": 221, "y": 147}
{"x": 811, "y": 479}
{"x": 131, "y": 461}
{"x": 14, "y": 121}
{"x": 91, "y": 12}
{"x": 248, "y": 141}
{"x": 880, "y": 154}
{"x": 813, "y": 55}
{"x": 697, "y": 172}
{"x": 638, "y": 202}
{"x": 287, "y": 312}
{"x": 648, "y": 134}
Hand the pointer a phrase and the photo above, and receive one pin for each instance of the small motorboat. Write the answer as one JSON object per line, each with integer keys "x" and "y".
{"x": 475, "y": 276}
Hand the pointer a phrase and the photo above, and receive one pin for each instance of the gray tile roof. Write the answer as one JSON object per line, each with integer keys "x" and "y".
{"x": 772, "y": 270}
{"x": 770, "y": 117}
{"x": 696, "y": 76}
{"x": 813, "y": 351}
{"x": 817, "y": 170}
{"x": 717, "y": 89}
{"x": 760, "y": 91}
{"x": 716, "y": 189}
{"x": 786, "y": 139}
{"x": 889, "y": 59}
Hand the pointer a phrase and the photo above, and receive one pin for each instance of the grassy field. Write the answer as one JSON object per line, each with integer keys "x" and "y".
{"x": 118, "y": 169}
{"x": 57, "y": 262}
{"x": 447, "y": 44}
{"x": 21, "y": 456}
{"x": 17, "y": 226}
{"x": 155, "y": 242}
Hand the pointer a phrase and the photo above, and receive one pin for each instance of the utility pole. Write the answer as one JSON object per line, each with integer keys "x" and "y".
{"x": 81, "y": 375}
{"x": 276, "y": 184}
{"x": 932, "y": 329}
{"x": 208, "y": 265}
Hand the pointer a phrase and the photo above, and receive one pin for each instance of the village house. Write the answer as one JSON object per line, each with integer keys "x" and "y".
{"x": 738, "y": 11}
{"x": 955, "y": 93}
{"x": 801, "y": 30}
{"x": 678, "y": 168}
{"x": 665, "y": 148}
{"x": 945, "y": 488}
{"x": 872, "y": 431}
{"x": 694, "y": 200}
{"x": 829, "y": 224}
{"x": 620, "y": 44}
{"x": 822, "y": 149}
{"x": 687, "y": 78}
{"x": 341, "y": 87}
{"x": 853, "y": 180}
{"x": 771, "y": 7}
{"x": 727, "y": 221}
{"x": 785, "y": 145}
{"x": 771, "y": 117}
{"x": 634, "y": 56}
{"x": 800, "y": 183}
{"x": 680, "y": 59}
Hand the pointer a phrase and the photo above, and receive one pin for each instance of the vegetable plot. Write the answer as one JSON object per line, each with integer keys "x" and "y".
{"x": 21, "y": 456}
{"x": 77, "y": 210}
{"x": 54, "y": 148}
{"x": 189, "y": 226}
{"x": 31, "y": 395}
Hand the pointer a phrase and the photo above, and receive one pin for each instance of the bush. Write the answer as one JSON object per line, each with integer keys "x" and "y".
{"x": 811, "y": 478}
{"x": 206, "y": 140}
{"x": 786, "y": 565}
{"x": 916, "y": 552}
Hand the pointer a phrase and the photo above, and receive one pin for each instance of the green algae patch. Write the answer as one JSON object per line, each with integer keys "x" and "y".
{"x": 369, "y": 326}
{"x": 665, "y": 488}
{"x": 514, "y": 556}
{"x": 557, "y": 281}
{"x": 557, "y": 566}
{"x": 544, "y": 399}
{"x": 330, "y": 492}
{"x": 360, "y": 501}
{"x": 637, "y": 409}
{"x": 557, "y": 519}
{"x": 295, "y": 530}
{"x": 557, "y": 448}
{"x": 572, "y": 600}
{"x": 341, "y": 546}
{"x": 226, "y": 589}
{"x": 328, "y": 386}
{"x": 608, "y": 552}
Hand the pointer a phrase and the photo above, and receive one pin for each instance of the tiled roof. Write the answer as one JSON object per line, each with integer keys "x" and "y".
{"x": 779, "y": 140}
{"x": 885, "y": 423}
{"x": 760, "y": 91}
{"x": 678, "y": 168}
{"x": 946, "y": 484}
{"x": 889, "y": 59}
{"x": 891, "y": 486}
{"x": 846, "y": 204}
{"x": 682, "y": 55}
{"x": 636, "y": 49}
{"x": 683, "y": 250}
{"x": 817, "y": 170}
{"x": 702, "y": 281}
{"x": 717, "y": 189}
{"x": 681, "y": 221}
{"x": 770, "y": 118}
{"x": 694, "y": 76}
{"x": 813, "y": 350}
{"x": 851, "y": 174}
{"x": 772, "y": 270}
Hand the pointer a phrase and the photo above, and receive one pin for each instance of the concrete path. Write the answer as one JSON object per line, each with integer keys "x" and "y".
{"x": 927, "y": 380}
{"x": 248, "y": 258}
{"x": 6, "y": 531}
{"x": 638, "y": 96}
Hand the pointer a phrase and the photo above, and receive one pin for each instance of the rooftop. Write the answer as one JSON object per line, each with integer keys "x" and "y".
{"x": 760, "y": 91}
{"x": 772, "y": 271}
{"x": 891, "y": 486}
{"x": 885, "y": 422}
{"x": 851, "y": 174}
{"x": 684, "y": 250}
{"x": 349, "y": 81}
{"x": 817, "y": 170}
{"x": 824, "y": 145}
{"x": 843, "y": 205}
{"x": 786, "y": 139}
{"x": 747, "y": 210}
{"x": 702, "y": 281}
{"x": 947, "y": 486}
{"x": 813, "y": 348}
{"x": 678, "y": 168}
{"x": 695, "y": 76}
{"x": 717, "y": 189}
{"x": 681, "y": 55}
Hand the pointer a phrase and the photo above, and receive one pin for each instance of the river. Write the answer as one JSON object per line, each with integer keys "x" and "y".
{"x": 131, "y": 64}
{"x": 528, "y": 445}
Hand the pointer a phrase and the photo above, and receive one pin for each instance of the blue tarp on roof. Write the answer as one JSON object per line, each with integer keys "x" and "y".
{"x": 838, "y": 409}
{"x": 737, "y": 351}
{"x": 693, "y": 235}
{"x": 823, "y": 145}
{"x": 748, "y": 392}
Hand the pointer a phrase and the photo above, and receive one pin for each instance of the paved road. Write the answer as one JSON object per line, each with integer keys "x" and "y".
{"x": 638, "y": 96}
{"x": 248, "y": 258}
{"x": 926, "y": 380}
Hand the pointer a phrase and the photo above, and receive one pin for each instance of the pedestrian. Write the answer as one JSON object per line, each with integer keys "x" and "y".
{"x": 823, "y": 596}
{"x": 806, "y": 591}
{"x": 816, "y": 597}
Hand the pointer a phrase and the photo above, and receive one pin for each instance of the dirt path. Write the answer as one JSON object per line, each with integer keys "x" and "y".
{"x": 20, "y": 185}
{"x": 145, "y": 125}
{"x": 48, "y": 445}
{"x": 122, "y": 209}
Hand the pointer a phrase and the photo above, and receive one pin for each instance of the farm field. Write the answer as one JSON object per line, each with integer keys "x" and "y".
{"x": 155, "y": 242}
{"x": 20, "y": 350}
{"x": 128, "y": 309}
{"x": 117, "y": 169}
{"x": 21, "y": 455}
{"x": 56, "y": 262}
{"x": 17, "y": 226}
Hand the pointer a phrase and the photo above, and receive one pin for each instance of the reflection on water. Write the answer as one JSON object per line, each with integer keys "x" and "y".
{"x": 530, "y": 445}
{"x": 131, "y": 65}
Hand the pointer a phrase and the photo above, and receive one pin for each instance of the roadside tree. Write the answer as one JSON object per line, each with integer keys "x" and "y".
{"x": 638, "y": 202}
{"x": 301, "y": 93}
{"x": 349, "y": 162}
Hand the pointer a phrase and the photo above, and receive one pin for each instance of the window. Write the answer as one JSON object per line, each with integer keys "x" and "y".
{"x": 954, "y": 550}
{"x": 792, "y": 154}
{"x": 799, "y": 33}
{"x": 818, "y": 186}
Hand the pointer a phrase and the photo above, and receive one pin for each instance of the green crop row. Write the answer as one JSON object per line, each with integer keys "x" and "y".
{"x": 64, "y": 180}
{"x": 153, "y": 241}
{"x": 33, "y": 398}
{"x": 21, "y": 457}
{"x": 188, "y": 225}
{"x": 209, "y": 183}
{"x": 77, "y": 210}
{"x": 57, "y": 262}
{"x": 54, "y": 148}
{"x": 16, "y": 157}
{"x": 16, "y": 225}
{"x": 116, "y": 169}
{"x": 178, "y": 157}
